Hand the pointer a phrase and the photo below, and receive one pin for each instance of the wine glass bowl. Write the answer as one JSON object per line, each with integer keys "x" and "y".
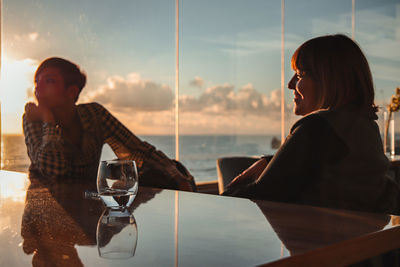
{"x": 117, "y": 183}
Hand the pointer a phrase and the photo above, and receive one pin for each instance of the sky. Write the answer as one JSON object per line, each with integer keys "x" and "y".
{"x": 229, "y": 56}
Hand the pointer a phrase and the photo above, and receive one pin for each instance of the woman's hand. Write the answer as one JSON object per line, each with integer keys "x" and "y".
{"x": 38, "y": 113}
{"x": 249, "y": 175}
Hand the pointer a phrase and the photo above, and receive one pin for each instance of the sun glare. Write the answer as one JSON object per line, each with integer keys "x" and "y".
{"x": 15, "y": 89}
{"x": 13, "y": 186}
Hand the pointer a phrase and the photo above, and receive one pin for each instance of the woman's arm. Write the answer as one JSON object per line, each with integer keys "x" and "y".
{"x": 294, "y": 167}
{"x": 123, "y": 142}
{"x": 249, "y": 175}
{"x": 44, "y": 143}
{"x": 128, "y": 146}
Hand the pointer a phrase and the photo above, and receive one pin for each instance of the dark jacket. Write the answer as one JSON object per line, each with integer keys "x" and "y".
{"x": 330, "y": 158}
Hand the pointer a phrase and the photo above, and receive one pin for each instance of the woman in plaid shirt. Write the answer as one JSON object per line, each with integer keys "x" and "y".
{"x": 65, "y": 140}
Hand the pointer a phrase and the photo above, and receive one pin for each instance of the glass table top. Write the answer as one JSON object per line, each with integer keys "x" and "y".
{"x": 48, "y": 223}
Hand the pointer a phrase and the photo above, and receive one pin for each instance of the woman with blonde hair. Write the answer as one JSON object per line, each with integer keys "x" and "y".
{"x": 333, "y": 156}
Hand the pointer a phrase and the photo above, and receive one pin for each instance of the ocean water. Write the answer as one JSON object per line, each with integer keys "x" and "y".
{"x": 197, "y": 152}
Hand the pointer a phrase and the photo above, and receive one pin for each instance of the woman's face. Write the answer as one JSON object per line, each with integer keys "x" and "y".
{"x": 305, "y": 93}
{"x": 49, "y": 88}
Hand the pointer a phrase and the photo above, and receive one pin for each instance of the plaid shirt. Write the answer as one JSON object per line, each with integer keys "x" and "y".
{"x": 55, "y": 156}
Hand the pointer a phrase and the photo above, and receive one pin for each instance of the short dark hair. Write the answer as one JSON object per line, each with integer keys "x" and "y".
{"x": 340, "y": 68}
{"x": 70, "y": 72}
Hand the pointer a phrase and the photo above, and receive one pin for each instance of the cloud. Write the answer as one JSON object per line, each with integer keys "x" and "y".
{"x": 255, "y": 41}
{"x": 222, "y": 99}
{"x": 377, "y": 32}
{"x": 33, "y": 36}
{"x": 152, "y": 123}
{"x": 163, "y": 123}
{"x": 229, "y": 123}
{"x": 340, "y": 24}
{"x": 134, "y": 94}
{"x": 386, "y": 72}
{"x": 197, "y": 82}
{"x": 146, "y": 107}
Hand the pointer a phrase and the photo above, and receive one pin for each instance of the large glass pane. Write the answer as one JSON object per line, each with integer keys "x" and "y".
{"x": 377, "y": 27}
{"x": 378, "y": 32}
{"x": 229, "y": 81}
{"x": 305, "y": 20}
{"x": 125, "y": 47}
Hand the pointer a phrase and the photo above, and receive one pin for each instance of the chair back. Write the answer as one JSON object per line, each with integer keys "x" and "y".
{"x": 230, "y": 167}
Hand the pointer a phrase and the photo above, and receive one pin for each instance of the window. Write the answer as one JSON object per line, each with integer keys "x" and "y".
{"x": 229, "y": 66}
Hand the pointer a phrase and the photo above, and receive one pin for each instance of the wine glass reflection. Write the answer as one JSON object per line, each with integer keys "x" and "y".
{"x": 117, "y": 234}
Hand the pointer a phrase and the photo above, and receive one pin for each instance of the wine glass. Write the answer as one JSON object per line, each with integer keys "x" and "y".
{"x": 116, "y": 234}
{"x": 117, "y": 183}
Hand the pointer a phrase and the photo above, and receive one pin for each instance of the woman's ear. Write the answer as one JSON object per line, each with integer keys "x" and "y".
{"x": 73, "y": 92}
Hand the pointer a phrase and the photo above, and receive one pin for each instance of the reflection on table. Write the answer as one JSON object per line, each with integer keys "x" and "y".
{"x": 51, "y": 223}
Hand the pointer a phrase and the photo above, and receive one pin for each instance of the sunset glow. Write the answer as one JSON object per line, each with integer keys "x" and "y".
{"x": 227, "y": 66}
{"x": 16, "y": 89}
{"x": 13, "y": 187}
